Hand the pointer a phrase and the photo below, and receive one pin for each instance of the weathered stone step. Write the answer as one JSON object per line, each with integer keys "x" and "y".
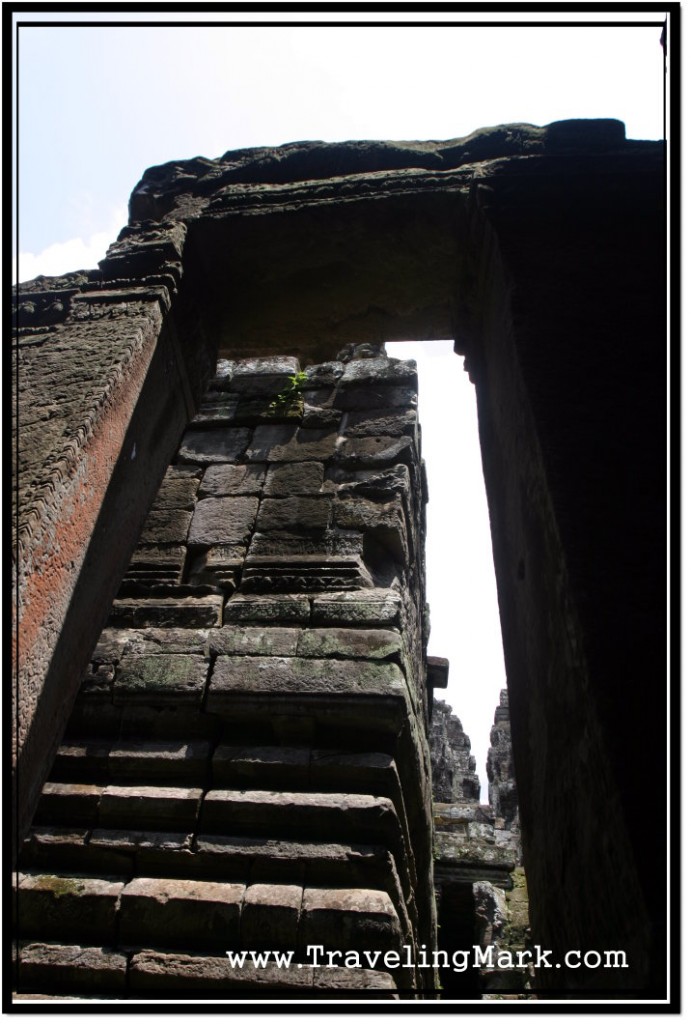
{"x": 236, "y": 766}
{"x": 246, "y": 860}
{"x": 330, "y": 690}
{"x": 67, "y": 907}
{"x": 47, "y": 968}
{"x": 145, "y": 763}
{"x": 179, "y": 974}
{"x": 178, "y": 914}
{"x": 157, "y": 807}
{"x": 149, "y": 762}
{"x": 312, "y": 816}
{"x": 101, "y": 720}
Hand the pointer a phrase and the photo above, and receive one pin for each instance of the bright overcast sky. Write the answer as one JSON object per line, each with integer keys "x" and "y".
{"x": 99, "y": 105}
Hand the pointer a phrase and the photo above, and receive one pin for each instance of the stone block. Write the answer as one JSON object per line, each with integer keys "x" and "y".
{"x": 351, "y": 983}
{"x": 290, "y": 444}
{"x": 278, "y": 608}
{"x": 365, "y": 452}
{"x": 178, "y": 490}
{"x": 296, "y": 514}
{"x": 321, "y": 400}
{"x": 253, "y": 859}
{"x": 448, "y": 816}
{"x": 219, "y": 566}
{"x": 67, "y": 907}
{"x": 44, "y": 967}
{"x": 371, "y": 483}
{"x": 357, "y": 919}
{"x": 373, "y": 773}
{"x": 70, "y": 803}
{"x": 294, "y": 478}
{"x": 166, "y": 611}
{"x": 329, "y": 544}
{"x": 267, "y": 640}
{"x": 385, "y": 520}
{"x": 179, "y": 912}
{"x": 294, "y": 862}
{"x": 381, "y": 370}
{"x": 283, "y": 676}
{"x": 69, "y": 850}
{"x": 227, "y": 520}
{"x": 316, "y": 416}
{"x": 165, "y": 559}
{"x": 166, "y": 761}
{"x": 156, "y": 807}
{"x": 437, "y": 672}
{"x": 363, "y": 608}
{"x": 481, "y": 830}
{"x": 263, "y": 367}
{"x": 307, "y": 575}
{"x": 161, "y": 678}
{"x": 152, "y": 853}
{"x": 222, "y": 481}
{"x": 242, "y": 766}
{"x": 371, "y": 395}
{"x": 457, "y": 848}
{"x": 317, "y": 817}
{"x": 266, "y": 438}
{"x": 380, "y": 422}
{"x": 203, "y": 447}
{"x": 117, "y": 643}
{"x": 275, "y": 406}
{"x": 270, "y": 916}
{"x": 152, "y": 971}
{"x": 217, "y": 407}
{"x": 293, "y": 706}
{"x": 324, "y": 374}
{"x": 165, "y": 722}
{"x": 350, "y": 643}
{"x": 490, "y": 913}
{"x": 81, "y": 761}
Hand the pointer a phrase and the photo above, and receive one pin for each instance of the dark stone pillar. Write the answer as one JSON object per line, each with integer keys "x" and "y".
{"x": 571, "y": 382}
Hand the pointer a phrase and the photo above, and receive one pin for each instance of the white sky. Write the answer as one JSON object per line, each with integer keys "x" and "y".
{"x": 99, "y": 105}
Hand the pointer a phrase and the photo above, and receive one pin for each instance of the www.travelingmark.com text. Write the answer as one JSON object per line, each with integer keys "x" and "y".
{"x": 459, "y": 960}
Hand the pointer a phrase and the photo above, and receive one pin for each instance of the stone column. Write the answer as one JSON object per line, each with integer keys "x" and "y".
{"x": 569, "y": 361}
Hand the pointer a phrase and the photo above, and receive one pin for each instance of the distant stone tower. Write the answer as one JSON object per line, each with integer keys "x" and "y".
{"x": 481, "y": 891}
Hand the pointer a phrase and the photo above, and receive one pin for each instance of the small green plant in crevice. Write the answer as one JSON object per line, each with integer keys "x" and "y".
{"x": 289, "y": 400}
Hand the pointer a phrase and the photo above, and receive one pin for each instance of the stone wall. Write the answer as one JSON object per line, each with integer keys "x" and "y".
{"x": 543, "y": 251}
{"x": 453, "y": 767}
{"x": 247, "y": 765}
{"x": 501, "y": 775}
{"x": 103, "y": 392}
{"x": 481, "y": 889}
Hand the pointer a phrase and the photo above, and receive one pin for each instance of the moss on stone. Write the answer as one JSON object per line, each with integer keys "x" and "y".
{"x": 61, "y": 886}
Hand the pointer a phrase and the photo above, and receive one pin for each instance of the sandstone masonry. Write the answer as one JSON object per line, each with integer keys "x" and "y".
{"x": 247, "y": 760}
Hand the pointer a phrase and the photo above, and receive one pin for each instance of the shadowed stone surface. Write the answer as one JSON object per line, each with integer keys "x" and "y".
{"x": 250, "y": 790}
{"x": 543, "y": 251}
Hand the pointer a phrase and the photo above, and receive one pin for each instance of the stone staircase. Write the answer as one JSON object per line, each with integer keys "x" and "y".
{"x": 245, "y": 768}
{"x": 145, "y": 849}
